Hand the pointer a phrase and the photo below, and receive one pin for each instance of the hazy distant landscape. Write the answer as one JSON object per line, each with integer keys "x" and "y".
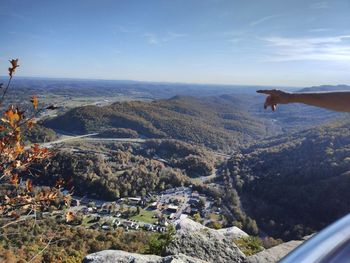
{"x": 251, "y": 168}
{"x": 172, "y": 131}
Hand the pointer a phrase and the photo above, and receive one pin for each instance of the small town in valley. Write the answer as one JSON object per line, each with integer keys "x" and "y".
{"x": 151, "y": 213}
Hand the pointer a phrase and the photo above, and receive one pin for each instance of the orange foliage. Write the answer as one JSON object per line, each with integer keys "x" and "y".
{"x": 70, "y": 217}
{"x": 15, "y": 159}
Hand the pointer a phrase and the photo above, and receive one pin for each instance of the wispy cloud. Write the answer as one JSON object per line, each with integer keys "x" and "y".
{"x": 122, "y": 29}
{"x": 234, "y": 40}
{"x": 30, "y": 35}
{"x": 14, "y": 15}
{"x": 176, "y": 35}
{"x": 264, "y": 19}
{"x": 235, "y": 36}
{"x": 335, "y": 48}
{"x": 116, "y": 51}
{"x": 233, "y": 33}
{"x": 316, "y": 30}
{"x": 18, "y": 16}
{"x": 154, "y": 39}
{"x": 319, "y": 5}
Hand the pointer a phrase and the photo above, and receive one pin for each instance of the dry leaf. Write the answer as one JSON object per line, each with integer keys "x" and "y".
{"x": 29, "y": 185}
{"x": 14, "y": 179}
{"x": 70, "y": 216}
{"x": 34, "y": 101}
{"x": 14, "y": 64}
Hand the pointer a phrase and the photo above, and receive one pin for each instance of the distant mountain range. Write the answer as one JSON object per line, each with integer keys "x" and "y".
{"x": 139, "y": 89}
{"x": 214, "y": 115}
{"x": 216, "y": 122}
{"x": 91, "y": 87}
{"x": 326, "y": 88}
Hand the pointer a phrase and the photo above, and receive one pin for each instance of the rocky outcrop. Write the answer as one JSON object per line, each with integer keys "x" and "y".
{"x": 119, "y": 256}
{"x": 232, "y": 232}
{"x": 192, "y": 243}
{"x": 196, "y": 240}
{"x": 195, "y": 243}
{"x": 187, "y": 225}
{"x": 276, "y": 253}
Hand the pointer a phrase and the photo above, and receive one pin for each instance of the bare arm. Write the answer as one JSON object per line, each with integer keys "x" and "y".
{"x": 337, "y": 101}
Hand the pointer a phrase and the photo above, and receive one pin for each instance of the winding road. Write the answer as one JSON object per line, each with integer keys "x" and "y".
{"x": 87, "y": 137}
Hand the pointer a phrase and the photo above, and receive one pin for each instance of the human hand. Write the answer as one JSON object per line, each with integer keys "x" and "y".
{"x": 275, "y": 97}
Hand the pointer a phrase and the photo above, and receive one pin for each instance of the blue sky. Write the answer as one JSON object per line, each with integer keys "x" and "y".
{"x": 260, "y": 42}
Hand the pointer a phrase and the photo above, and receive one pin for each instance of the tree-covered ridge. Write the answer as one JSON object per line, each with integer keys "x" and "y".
{"x": 51, "y": 240}
{"x": 123, "y": 175}
{"x": 193, "y": 160}
{"x": 295, "y": 184}
{"x": 214, "y": 121}
{"x": 121, "y": 170}
{"x": 39, "y": 133}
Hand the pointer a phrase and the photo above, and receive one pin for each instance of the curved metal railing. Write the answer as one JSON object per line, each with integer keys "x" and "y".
{"x": 331, "y": 245}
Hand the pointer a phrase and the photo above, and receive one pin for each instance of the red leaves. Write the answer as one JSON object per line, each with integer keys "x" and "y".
{"x": 37, "y": 153}
{"x": 14, "y": 65}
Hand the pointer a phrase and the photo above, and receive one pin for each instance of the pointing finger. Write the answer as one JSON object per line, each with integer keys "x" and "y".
{"x": 265, "y": 91}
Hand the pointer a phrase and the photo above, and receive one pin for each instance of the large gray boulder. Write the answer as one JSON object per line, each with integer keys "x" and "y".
{"x": 275, "y": 253}
{"x": 192, "y": 243}
{"x": 196, "y": 240}
{"x": 187, "y": 225}
{"x": 119, "y": 256}
{"x": 232, "y": 232}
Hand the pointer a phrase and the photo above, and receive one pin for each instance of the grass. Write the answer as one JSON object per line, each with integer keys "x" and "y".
{"x": 214, "y": 217}
{"x": 145, "y": 216}
{"x": 249, "y": 245}
{"x": 85, "y": 221}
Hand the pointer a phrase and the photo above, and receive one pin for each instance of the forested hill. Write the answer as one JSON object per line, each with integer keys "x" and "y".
{"x": 213, "y": 121}
{"x": 299, "y": 183}
{"x": 223, "y": 121}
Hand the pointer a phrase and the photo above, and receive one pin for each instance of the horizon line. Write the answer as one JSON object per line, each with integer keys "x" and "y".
{"x": 164, "y": 82}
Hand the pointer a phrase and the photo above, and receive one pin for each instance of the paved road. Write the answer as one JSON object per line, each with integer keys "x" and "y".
{"x": 204, "y": 179}
{"x": 87, "y": 137}
{"x": 65, "y": 139}
{"x": 135, "y": 140}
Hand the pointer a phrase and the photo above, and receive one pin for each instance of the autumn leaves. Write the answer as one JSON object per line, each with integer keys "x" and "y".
{"x": 16, "y": 160}
{"x": 14, "y": 65}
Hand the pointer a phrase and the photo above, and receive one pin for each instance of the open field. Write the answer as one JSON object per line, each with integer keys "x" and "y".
{"x": 145, "y": 216}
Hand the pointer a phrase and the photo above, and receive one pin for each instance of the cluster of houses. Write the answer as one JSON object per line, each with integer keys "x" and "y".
{"x": 170, "y": 205}
{"x": 127, "y": 225}
{"x": 154, "y": 228}
{"x": 194, "y": 205}
{"x": 97, "y": 206}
